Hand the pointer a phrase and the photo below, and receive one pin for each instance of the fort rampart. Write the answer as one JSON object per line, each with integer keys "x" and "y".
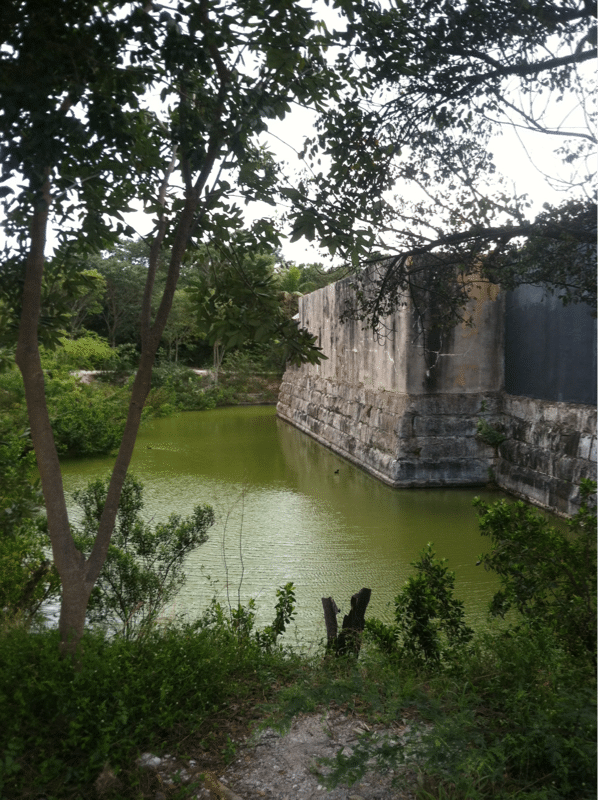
{"x": 413, "y": 419}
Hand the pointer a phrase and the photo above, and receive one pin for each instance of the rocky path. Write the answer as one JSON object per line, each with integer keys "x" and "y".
{"x": 273, "y": 766}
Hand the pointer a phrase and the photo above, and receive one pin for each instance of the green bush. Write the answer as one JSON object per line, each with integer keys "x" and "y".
{"x": 160, "y": 402}
{"x": 89, "y": 352}
{"x": 62, "y": 722}
{"x": 86, "y": 420}
{"x": 27, "y": 577}
{"x": 245, "y": 363}
{"x": 517, "y": 719}
{"x": 488, "y": 434}
{"x": 177, "y": 388}
{"x": 143, "y": 570}
{"x": 429, "y": 623}
{"x": 547, "y": 576}
{"x": 13, "y": 410}
{"x": 240, "y": 620}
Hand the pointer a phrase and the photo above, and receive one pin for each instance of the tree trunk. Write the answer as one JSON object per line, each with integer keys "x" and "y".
{"x": 330, "y": 611}
{"x": 150, "y": 340}
{"x": 69, "y": 561}
{"x": 77, "y": 575}
{"x": 353, "y": 624}
{"x": 218, "y": 351}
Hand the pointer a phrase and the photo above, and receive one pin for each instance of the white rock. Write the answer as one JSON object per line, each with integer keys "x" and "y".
{"x": 149, "y": 761}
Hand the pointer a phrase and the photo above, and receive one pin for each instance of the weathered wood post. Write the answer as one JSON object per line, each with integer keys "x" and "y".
{"x": 330, "y": 611}
{"x": 349, "y": 639}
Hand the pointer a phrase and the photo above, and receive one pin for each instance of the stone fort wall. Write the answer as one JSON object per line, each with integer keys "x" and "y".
{"x": 413, "y": 421}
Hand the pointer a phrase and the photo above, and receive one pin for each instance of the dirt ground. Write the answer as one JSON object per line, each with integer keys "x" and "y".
{"x": 273, "y": 766}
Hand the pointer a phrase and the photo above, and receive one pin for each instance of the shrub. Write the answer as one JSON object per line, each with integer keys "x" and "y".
{"x": 86, "y": 420}
{"x": 488, "y": 434}
{"x": 240, "y": 620}
{"x": 13, "y": 410}
{"x": 89, "y": 352}
{"x": 143, "y": 570}
{"x": 27, "y": 577}
{"x": 516, "y": 720}
{"x": 429, "y": 623}
{"x": 547, "y": 576}
{"x": 166, "y": 691}
{"x": 245, "y": 363}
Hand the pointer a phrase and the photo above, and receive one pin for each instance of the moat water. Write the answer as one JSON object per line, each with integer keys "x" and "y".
{"x": 288, "y": 509}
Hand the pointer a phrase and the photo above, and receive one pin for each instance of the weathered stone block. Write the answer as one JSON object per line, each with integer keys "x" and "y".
{"x": 565, "y": 468}
{"x": 569, "y": 443}
{"x": 447, "y": 425}
{"x": 550, "y": 413}
{"x": 585, "y": 446}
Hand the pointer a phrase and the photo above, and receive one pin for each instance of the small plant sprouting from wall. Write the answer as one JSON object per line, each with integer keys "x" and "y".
{"x": 489, "y": 434}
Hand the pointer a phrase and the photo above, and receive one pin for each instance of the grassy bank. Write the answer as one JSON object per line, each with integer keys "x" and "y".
{"x": 513, "y": 717}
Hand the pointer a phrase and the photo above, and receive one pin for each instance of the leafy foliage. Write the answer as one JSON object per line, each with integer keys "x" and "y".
{"x": 143, "y": 570}
{"x": 285, "y": 613}
{"x": 547, "y": 576}
{"x": 124, "y": 274}
{"x": 88, "y": 352}
{"x": 240, "y": 620}
{"x": 237, "y": 301}
{"x": 304, "y": 278}
{"x": 27, "y": 576}
{"x": 516, "y": 719}
{"x": 432, "y": 85}
{"x": 165, "y": 692}
{"x": 69, "y": 296}
{"x": 489, "y": 434}
{"x": 516, "y": 715}
{"x": 86, "y": 420}
{"x": 429, "y": 623}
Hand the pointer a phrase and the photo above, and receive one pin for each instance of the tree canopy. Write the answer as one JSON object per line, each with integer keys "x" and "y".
{"x": 103, "y": 103}
{"x": 237, "y": 299}
{"x": 433, "y": 82}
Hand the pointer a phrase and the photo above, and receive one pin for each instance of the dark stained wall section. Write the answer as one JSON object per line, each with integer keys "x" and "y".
{"x": 550, "y": 349}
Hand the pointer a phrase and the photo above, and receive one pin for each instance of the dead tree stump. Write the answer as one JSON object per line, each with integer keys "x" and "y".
{"x": 349, "y": 640}
{"x": 330, "y": 611}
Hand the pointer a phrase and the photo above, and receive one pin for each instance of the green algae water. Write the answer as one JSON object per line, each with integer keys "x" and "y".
{"x": 288, "y": 509}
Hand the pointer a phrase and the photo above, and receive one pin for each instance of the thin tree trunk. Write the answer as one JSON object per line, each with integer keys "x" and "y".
{"x": 70, "y": 563}
{"x": 151, "y": 336}
{"x": 77, "y": 575}
{"x": 218, "y": 351}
